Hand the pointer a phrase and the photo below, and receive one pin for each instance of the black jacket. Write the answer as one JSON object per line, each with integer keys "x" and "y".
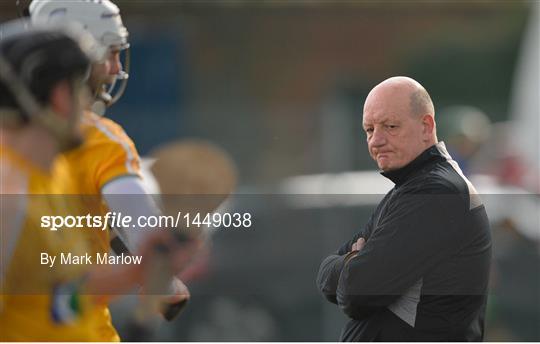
{"x": 423, "y": 272}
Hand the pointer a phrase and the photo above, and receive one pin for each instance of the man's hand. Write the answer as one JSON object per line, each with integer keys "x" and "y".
{"x": 355, "y": 248}
{"x": 358, "y": 245}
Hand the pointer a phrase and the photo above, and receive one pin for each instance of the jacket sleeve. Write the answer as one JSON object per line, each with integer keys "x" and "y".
{"x": 418, "y": 230}
{"x": 331, "y": 266}
{"x": 328, "y": 276}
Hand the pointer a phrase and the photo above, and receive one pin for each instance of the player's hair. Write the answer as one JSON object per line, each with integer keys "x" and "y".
{"x": 40, "y": 60}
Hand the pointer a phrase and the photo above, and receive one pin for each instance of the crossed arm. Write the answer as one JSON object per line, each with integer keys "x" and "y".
{"x": 372, "y": 271}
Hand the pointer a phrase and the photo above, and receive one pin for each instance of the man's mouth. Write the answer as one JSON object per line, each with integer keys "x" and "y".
{"x": 383, "y": 154}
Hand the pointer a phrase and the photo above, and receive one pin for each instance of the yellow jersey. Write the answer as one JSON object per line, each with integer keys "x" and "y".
{"x": 29, "y": 193}
{"x": 107, "y": 153}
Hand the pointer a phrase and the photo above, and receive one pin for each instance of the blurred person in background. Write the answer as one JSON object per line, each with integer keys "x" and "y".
{"x": 43, "y": 91}
{"x": 464, "y": 129}
{"x": 419, "y": 269}
{"x": 107, "y": 164}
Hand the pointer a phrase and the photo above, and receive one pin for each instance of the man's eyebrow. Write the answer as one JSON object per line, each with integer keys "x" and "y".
{"x": 390, "y": 118}
{"x": 378, "y": 121}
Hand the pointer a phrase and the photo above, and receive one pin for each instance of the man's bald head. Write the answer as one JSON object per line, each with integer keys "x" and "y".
{"x": 409, "y": 91}
{"x": 399, "y": 121}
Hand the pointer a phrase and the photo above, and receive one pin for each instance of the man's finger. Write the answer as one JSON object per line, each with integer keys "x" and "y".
{"x": 360, "y": 243}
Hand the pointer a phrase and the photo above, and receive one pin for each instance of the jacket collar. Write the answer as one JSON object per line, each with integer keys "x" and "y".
{"x": 435, "y": 153}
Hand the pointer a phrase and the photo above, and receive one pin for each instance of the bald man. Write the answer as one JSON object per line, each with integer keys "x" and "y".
{"x": 418, "y": 270}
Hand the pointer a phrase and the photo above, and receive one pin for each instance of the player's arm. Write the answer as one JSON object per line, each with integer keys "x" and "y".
{"x": 72, "y": 298}
{"x": 128, "y": 195}
{"x": 115, "y": 174}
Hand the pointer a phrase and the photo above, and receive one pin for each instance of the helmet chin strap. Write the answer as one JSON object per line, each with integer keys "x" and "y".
{"x": 99, "y": 107}
{"x": 102, "y": 100}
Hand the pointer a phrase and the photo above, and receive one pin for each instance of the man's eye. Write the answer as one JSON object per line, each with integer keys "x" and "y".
{"x": 369, "y": 130}
{"x": 391, "y": 126}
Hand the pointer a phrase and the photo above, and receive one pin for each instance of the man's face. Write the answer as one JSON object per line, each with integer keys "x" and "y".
{"x": 105, "y": 73}
{"x": 394, "y": 136}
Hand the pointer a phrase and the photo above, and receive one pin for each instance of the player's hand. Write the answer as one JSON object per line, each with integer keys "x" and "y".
{"x": 179, "y": 292}
{"x": 184, "y": 253}
{"x": 199, "y": 267}
{"x": 164, "y": 245}
{"x": 167, "y": 258}
{"x": 176, "y": 301}
{"x": 155, "y": 245}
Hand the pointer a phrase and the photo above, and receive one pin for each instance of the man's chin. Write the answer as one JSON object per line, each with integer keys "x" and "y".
{"x": 384, "y": 165}
{"x": 387, "y": 167}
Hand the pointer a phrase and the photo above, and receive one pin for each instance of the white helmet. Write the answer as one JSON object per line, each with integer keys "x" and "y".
{"x": 99, "y": 17}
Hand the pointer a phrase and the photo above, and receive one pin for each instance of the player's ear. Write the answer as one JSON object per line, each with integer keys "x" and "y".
{"x": 60, "y": 99}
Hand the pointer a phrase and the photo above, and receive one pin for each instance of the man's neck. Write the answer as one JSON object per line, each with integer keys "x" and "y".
{"x": 32, "y": 143}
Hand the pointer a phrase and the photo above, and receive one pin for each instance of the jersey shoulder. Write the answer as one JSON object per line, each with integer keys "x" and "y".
{"x": 98, "y": 129}
{"x": 107, "y": 153}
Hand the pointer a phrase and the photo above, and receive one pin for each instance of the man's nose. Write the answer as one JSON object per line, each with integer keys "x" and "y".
{"x": 116, "y": 66}
{"x": 378, "y": 138}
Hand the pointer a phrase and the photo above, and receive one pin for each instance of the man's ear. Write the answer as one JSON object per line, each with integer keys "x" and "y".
{"x": 60, "y": 99}
{"x": 428, "y": 126}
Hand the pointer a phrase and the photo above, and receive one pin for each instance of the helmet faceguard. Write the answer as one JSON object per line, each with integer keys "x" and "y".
{"x": 108, "y": 94}
{"x": 102, "y": 19}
